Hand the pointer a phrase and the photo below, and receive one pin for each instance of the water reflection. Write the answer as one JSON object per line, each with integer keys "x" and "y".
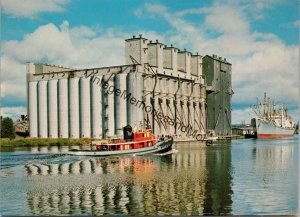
{"x": 269, "y": 160}
{"x": 192, "y": 182}
{"x": 219, "y": 180}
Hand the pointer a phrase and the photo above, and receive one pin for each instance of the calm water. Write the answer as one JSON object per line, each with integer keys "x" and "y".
{"x": 238, "y": 177}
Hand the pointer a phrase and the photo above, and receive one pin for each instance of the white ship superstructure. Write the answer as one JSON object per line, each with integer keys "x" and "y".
{"x": 272, "y": 122}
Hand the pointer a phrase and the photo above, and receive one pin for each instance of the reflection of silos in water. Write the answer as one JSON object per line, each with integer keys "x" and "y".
{"x": 64, "y": 168}
{"x": 98, "y": 199}
{"x": 54, "y": 169}
{"x": 120, "y": 103}
{"x": 64, "y": 149}
{"x": 43, "y": 149}
{"x": 85, "y": 118}
{"x": 75, "y": 198}
{"x": 96, "y": 166}
{"x": 134, "y": 106}
{"x": 64, "y": 202}
{"x": 43, "y": 169}
{"x": 86, "y": 167}
{"x": 63, "y": 108}
{"x": 75, "y": 167}
{"x": 32, "y": 169}
{"x": 32, "y": 109}
{"x": 110, "y": 109}
{"x": 53, "y": 115}
{"x": 34, "y": 150}
{"x": 54, "y": 203}
{"x": 86, "y": 200}
{"x": 42, "y": 109}
{"x": 54, "y": 149}
{"x": 135, "y": 195}
{"x": 124, "y": 200}
{"x": 110, "y": 197}
{"x": 33, "y": 202}
{"x": 96, "y": 109}
{"x": 74, "y": 107}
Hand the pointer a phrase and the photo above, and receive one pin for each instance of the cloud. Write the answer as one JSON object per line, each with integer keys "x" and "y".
{"x": 260, "y": 61}
{"x": 13, "y": 113}
{"x": 31, "y": 8}
{"x": 239, "y": 115}
{"x": 77, "y": 47}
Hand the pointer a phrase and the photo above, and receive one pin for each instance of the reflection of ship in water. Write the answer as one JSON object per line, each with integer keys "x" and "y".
{"x": 280, "y": 157}
{"x": 174, "y": 184}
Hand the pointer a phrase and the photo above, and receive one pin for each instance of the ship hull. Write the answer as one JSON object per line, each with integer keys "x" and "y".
{"x": 266, "y": 130}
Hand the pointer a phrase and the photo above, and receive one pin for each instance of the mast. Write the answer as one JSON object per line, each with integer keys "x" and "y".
{"x": 281, "y": 116}
{"x": 271, "y": 109}
{"x": 265, "y": 103}
{"x": 268, "y": 109}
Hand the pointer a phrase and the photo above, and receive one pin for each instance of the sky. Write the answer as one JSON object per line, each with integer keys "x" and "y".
{"x": 258, "y": 37}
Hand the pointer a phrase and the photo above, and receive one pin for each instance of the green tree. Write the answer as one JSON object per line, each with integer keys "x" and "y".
{"x": 7, "y": 128}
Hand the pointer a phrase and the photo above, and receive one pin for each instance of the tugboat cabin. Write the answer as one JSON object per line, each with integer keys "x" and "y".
{"x": 131, "y": 140}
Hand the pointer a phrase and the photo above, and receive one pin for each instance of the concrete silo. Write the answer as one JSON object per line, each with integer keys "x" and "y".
{"x": 96, "y": 109}
{"x": 53, "y": 108}
{"x": 73, "y": 107}
{"x": 85, "y": 106}
{"x": 32, "y": 109}
{"x": 120, "y": 103}
{"x": 63, "y": 108}
{"x": 42, "y": 109}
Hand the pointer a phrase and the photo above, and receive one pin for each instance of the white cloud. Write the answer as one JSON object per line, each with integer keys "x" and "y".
{"x": 78, "y": 47}
{"x": 31, "y": 8}
{"x": 13, "y": 113}
{"x": 296, "y": 23}
{"x": 239, "y": 115}
{"x": 260, "y": 61}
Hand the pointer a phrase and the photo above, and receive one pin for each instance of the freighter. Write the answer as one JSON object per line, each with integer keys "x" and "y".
{"x": 271, "y": 122}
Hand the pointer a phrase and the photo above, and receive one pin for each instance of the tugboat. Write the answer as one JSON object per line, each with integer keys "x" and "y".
{"x": 141, "y": 142}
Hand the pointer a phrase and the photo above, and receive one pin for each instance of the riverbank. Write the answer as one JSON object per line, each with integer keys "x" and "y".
{"x": 29, "y": 142}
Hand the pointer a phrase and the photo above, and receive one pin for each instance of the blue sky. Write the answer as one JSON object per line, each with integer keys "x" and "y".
{"x": 259, "y": 37}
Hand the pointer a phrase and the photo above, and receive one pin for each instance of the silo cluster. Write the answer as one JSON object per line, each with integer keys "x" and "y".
{"x": 160, "y": 87}
{"x": 82, "y": 103}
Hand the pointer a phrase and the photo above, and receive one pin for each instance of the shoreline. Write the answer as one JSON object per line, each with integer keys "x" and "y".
{"x": 32, "y": 142}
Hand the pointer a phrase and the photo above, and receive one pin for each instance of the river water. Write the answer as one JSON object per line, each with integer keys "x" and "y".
{"x": 239, "y": 177}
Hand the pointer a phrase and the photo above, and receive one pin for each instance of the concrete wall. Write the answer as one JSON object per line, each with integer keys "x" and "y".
{"x": 218, "y": 77}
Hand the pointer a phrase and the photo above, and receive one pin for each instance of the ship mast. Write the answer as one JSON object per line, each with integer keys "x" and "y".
{"x": 268, "y": 109}
{"x": 265, "y": 103}
{"x": 271, "y": 109}
{"x": 281, "y": 116}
